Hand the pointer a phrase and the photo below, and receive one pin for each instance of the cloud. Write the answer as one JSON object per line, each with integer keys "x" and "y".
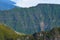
{"x": 30, "y": 3}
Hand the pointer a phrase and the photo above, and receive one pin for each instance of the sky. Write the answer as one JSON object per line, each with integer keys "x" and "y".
{"x": 30, "y": 3}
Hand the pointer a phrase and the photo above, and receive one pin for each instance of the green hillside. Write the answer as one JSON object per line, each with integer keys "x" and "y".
{"x": 7, "y": 33}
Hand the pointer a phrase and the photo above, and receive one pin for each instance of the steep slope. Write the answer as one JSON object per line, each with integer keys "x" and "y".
{"x": 27, "y": 20}
{"x": 6, "y": 33}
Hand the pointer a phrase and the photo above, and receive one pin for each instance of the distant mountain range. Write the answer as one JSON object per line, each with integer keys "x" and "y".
{"x": 27, "y": 20}
{"x": 6, "y": 4}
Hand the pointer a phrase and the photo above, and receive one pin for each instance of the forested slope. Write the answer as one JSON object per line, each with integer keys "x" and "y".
{"x": 27, "y": 20}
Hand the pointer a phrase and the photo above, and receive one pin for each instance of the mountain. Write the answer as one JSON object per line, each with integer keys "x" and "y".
{"x": 27, "y": 20}
{"x": 6, "y": 4}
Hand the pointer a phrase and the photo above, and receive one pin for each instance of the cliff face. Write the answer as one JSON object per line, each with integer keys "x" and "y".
{"x": 27, "y": 20}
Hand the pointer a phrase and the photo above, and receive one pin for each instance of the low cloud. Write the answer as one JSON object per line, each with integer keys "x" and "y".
{"x": 30, "y": 3}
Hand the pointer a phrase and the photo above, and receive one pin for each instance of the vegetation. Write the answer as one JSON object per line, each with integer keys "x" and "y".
{"x": 27, "y": 20}
{"x": 49, "y": 35}
{"x": 7, "y": 33}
